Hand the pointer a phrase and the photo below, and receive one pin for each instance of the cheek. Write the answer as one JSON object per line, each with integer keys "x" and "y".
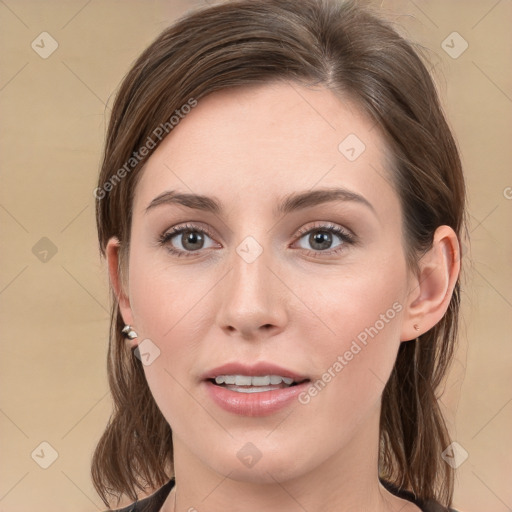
{"x": 357, "y": 301}
{"x": 363, "y": 315}
{"x": 163, "y": 299}
{"x": 165, "y": 307}
{"x": 168, "y": 307}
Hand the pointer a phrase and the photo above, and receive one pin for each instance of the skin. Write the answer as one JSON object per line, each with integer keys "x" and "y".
{"x": 249, "y": 147}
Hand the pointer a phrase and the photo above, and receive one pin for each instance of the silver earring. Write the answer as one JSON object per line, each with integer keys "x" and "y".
{"x": 129, "y": 332}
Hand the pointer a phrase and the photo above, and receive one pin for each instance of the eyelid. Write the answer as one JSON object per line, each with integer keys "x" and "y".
{"x": 187, "y": 226}
{"x": 346, "y": 235}
{"x": 327, "y": 225}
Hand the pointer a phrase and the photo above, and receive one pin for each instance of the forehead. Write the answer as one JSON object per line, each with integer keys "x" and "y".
{"x": 258, "y": 143}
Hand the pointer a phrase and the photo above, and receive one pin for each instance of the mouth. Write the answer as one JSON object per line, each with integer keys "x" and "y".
{"x": 255, "y": 383}
{"x": 259, "y": 390}
{"x": 256, "y": 389}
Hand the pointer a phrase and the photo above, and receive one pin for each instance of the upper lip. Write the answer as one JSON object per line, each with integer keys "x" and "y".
{"x": 260, "y": 368}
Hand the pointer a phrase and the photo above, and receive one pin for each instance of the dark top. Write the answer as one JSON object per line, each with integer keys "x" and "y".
{"x": 155, "y": 502}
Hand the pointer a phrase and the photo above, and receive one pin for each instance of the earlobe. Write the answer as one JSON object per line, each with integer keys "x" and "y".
{"x": 432, "y": 288}
{"x": 116, "y": 279}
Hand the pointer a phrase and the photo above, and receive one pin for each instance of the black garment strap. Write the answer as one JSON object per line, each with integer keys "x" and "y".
{"x": 152, "y": 503}
{"x": 424, "y": 506}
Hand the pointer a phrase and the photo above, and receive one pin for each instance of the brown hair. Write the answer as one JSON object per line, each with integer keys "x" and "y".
{"x": 341, "y": 46}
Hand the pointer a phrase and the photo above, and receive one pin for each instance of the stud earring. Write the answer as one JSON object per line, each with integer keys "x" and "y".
{"x": 416, "y": 327}
{"x": 129, "y": 332}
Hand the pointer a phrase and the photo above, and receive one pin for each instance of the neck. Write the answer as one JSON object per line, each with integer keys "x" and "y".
{"x": 346, "y": 481}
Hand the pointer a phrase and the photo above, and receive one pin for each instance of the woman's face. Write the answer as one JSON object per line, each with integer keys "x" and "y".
{"x": 265, "y": 279}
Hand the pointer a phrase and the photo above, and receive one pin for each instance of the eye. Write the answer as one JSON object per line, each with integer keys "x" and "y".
{"x": 184, "y": 240}
{"x": 321, "y": 238}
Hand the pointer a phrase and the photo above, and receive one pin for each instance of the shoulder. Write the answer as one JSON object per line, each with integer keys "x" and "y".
{"x": 434, "y": 506}
{"x": 152, "y": 503}
{"x": 424, "y": 506}
{"x": 129, "y": 508}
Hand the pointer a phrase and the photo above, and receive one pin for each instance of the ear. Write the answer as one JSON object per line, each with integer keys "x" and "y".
{"x": 113, "y": 256}
{"x": 430, "y": 291}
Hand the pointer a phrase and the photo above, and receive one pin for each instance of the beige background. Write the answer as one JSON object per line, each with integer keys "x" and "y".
{"x": 54, "y": 317}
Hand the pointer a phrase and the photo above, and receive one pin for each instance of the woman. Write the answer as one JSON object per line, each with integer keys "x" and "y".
{"x": 280, "y": 206}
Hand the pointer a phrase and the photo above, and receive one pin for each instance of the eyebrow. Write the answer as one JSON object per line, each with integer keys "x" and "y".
{"x": 290, "y": 203}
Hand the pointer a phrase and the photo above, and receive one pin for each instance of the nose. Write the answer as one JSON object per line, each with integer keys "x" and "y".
{"x": 252, "y": 299}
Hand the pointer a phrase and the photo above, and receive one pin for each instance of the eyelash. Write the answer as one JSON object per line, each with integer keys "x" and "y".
{"x": 343, "y": 234}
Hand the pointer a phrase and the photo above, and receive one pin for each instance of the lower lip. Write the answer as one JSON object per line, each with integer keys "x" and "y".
{"x": 254, "y": 404}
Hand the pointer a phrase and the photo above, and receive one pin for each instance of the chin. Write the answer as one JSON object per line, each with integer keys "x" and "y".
{"x": 264, "y": 473}
{"x": 262, "y": 466}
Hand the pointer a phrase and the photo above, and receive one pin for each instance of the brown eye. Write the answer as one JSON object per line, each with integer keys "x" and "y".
{"x": 182, "y": 240}
{"x": 191, "y": 240}
{"x": 321, "y": 239}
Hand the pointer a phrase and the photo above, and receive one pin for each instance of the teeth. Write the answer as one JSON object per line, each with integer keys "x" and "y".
{"x": 252, "y": 389}
{"x": 247, "y": 380}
